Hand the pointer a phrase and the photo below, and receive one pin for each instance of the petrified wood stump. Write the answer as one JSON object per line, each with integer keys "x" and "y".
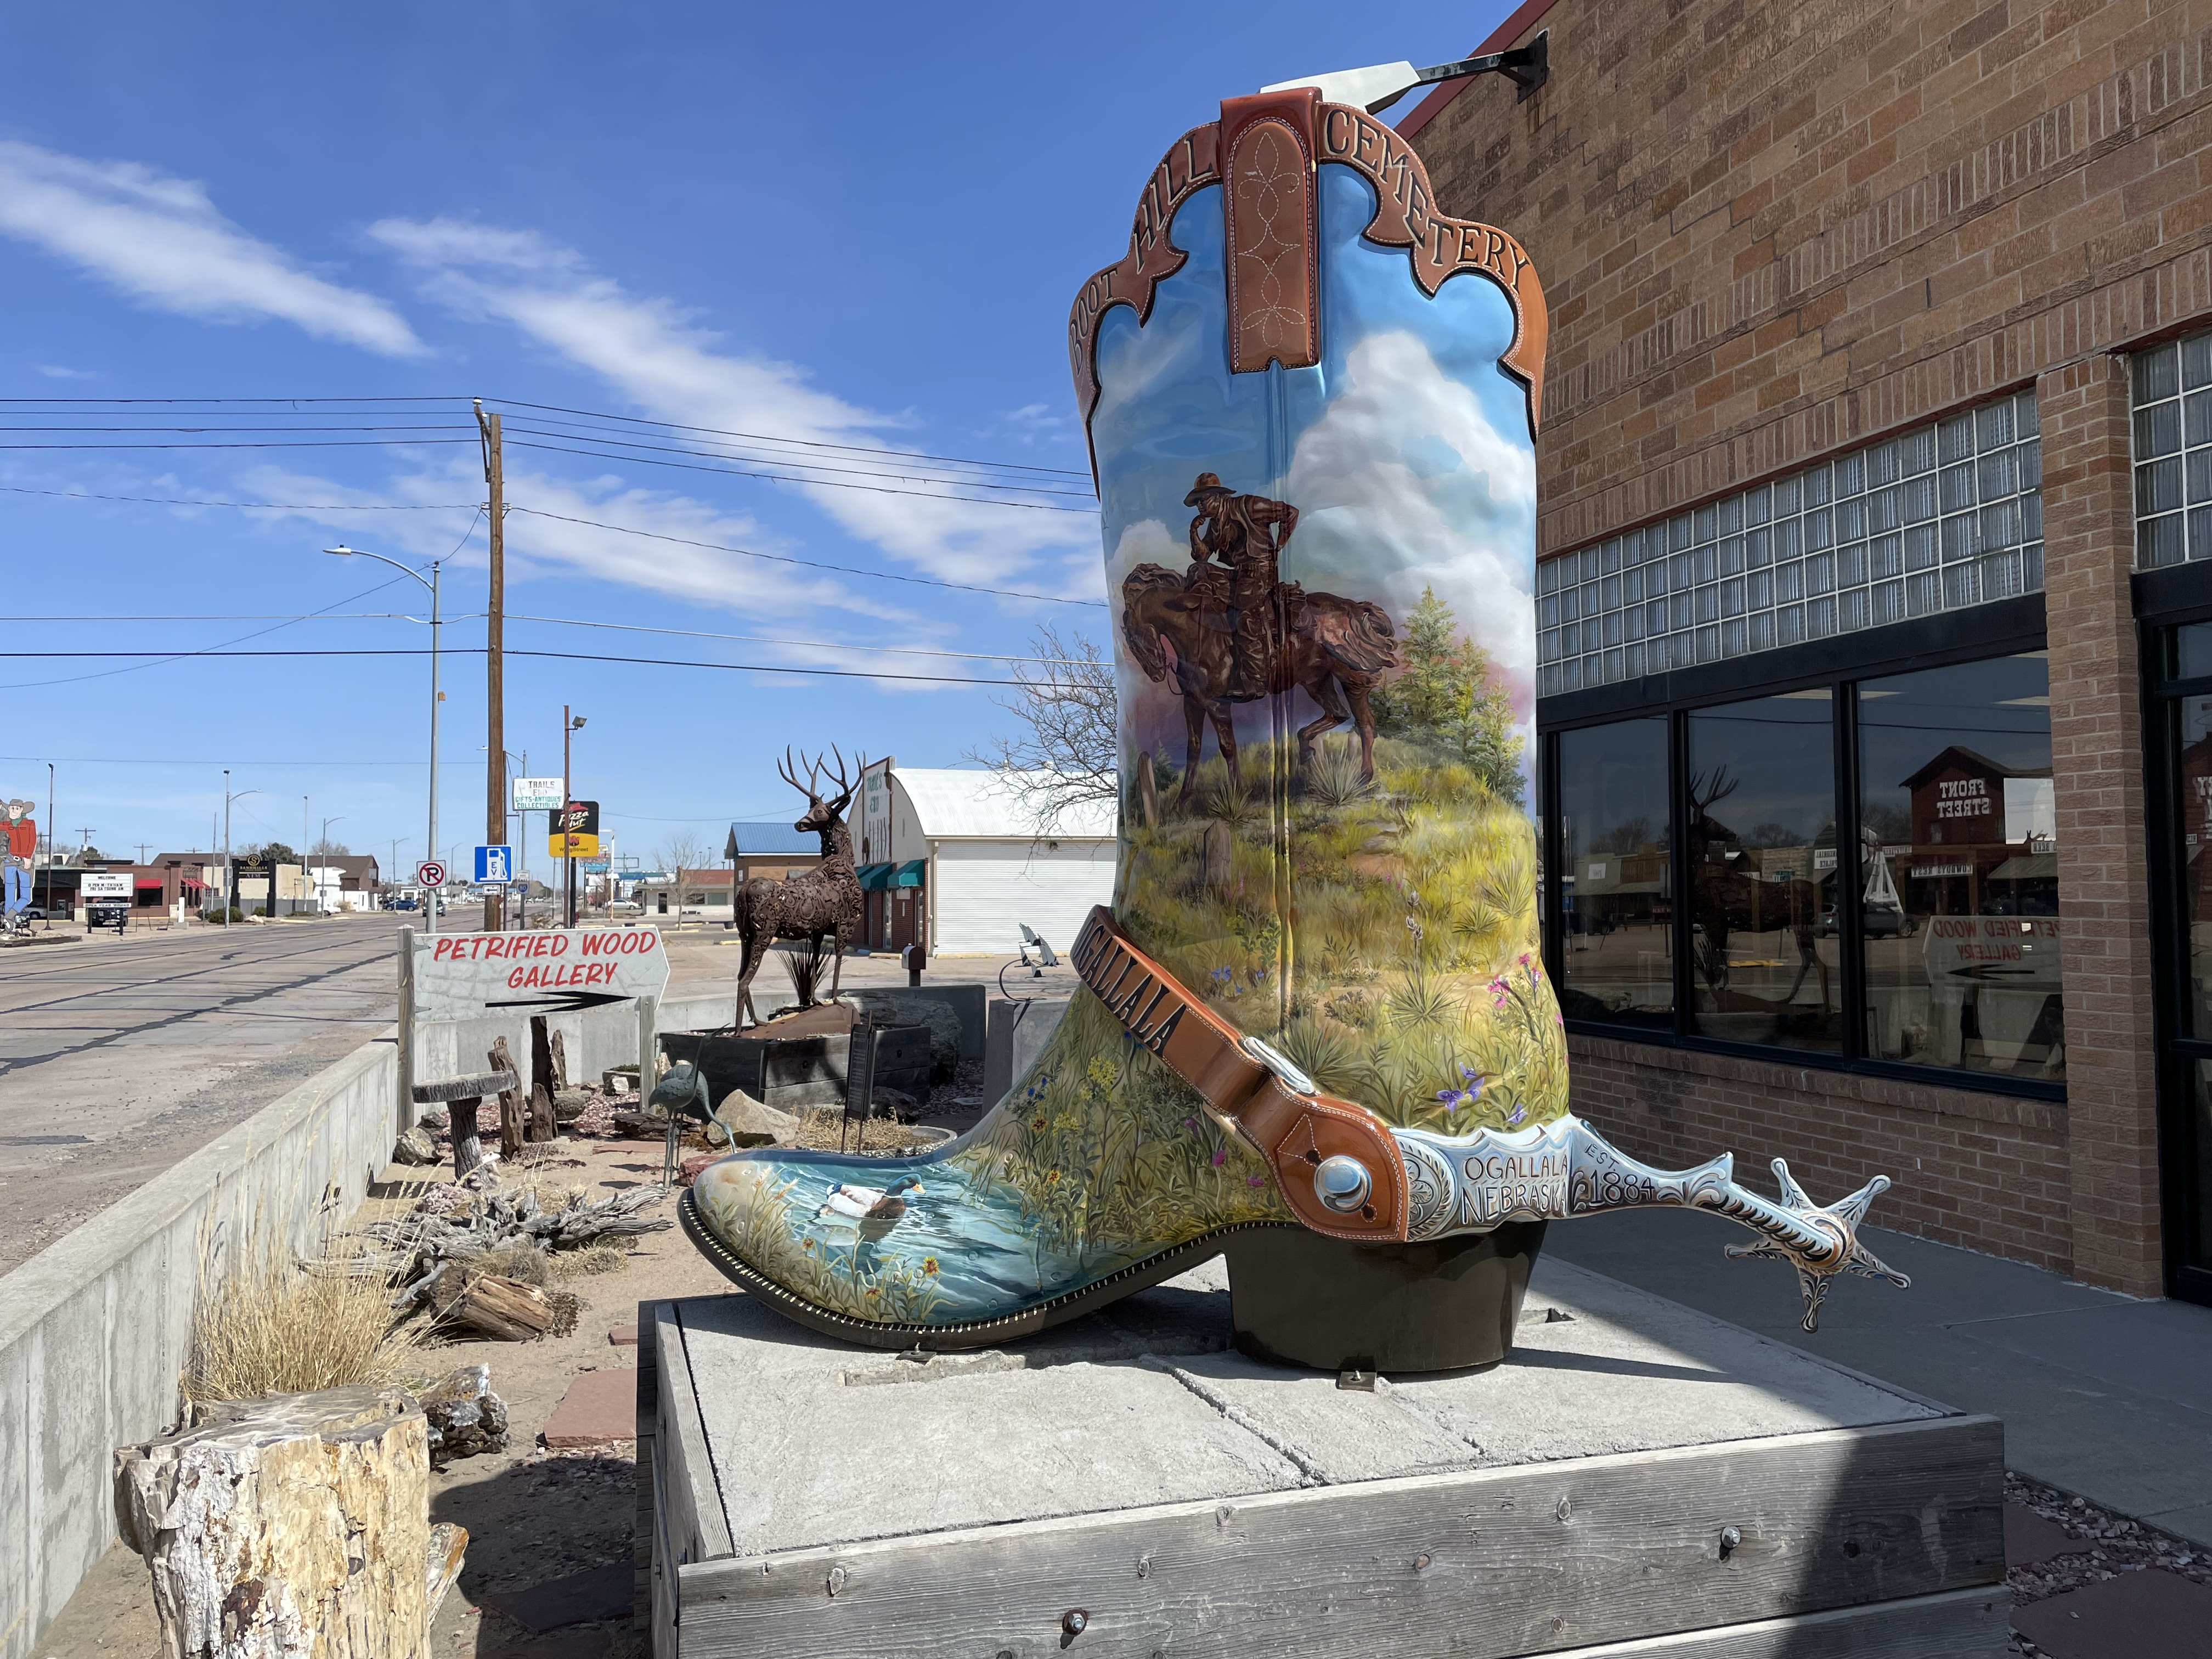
{"x": 288, "y": 1526}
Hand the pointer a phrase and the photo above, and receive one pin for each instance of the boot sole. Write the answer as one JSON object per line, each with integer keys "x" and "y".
{"x": 978, "y": 1334}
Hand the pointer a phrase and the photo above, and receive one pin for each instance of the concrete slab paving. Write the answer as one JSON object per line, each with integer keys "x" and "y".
{"x": 968, "y": 1451}
{"x": 2102, "y": 1394}
{"x": 2138, "y": 1615}
{"x": 1143, "y": 1404}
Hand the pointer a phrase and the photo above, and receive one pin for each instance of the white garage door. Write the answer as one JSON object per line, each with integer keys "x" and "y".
{"x": 986, "y": 890}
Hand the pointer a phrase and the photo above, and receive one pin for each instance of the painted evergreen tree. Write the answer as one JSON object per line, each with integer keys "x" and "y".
{"x": 1446, "y": 696}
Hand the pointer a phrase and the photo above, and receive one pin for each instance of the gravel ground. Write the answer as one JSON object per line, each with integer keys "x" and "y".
{"x": 2111, "y": 1545}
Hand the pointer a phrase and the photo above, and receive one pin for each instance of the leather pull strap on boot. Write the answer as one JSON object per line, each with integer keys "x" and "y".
{"x": 1334, "y": 1161}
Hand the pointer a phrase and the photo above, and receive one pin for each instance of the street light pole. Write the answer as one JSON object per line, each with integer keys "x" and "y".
{"x": 325, "y": 840}
{"x": 228, "y": 881}
{"x": 430, "y": 581}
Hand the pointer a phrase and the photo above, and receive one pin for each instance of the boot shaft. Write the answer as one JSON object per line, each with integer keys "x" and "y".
{"x": 1310, "y": 402}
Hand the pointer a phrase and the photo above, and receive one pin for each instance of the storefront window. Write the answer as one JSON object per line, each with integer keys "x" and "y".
{"x": 2192, "y": 799}
{"x": 1958, "y": 868}
{"x": 1616, "y": 955}
{"x": 1760, "y": 840}
{"x": 2173, "y": 452}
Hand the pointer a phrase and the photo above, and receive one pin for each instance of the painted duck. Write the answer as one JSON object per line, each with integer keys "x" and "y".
{"x": 881, "y": 1204}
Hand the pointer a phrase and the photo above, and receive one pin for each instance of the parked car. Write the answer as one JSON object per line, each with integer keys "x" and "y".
{"x": 403, "y": 902}
{"x": 625, "y": 907}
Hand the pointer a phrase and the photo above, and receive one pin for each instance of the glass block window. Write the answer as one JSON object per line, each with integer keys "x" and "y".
{"x": 2173, "y": 452}
{"x": 1938, "y": 519}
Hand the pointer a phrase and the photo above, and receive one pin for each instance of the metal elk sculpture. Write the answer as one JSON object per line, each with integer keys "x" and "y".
{"x": 824, "y": 902}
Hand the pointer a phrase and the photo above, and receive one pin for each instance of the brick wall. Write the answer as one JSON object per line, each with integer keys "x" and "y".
{"x": 1982, "y": 1170}
{"x": 2096, "y": 752}
{"x": 1770, "y": 230}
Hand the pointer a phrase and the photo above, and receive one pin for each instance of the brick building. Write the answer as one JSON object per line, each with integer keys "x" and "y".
{"x": 1876, "y": 474}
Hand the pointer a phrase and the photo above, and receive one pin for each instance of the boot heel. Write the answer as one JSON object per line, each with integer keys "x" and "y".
{"x": 1300, "y": 1299}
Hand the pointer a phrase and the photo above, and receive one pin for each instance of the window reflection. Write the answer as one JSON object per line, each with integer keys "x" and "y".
{"x": 1616, "y": 896}
{"x": 1960, "y": 868}
{"x": 1761, "y": 846}
{"x": 2193, "y": 798}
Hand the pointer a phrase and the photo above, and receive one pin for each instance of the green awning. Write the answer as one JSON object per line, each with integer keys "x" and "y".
{"x": 874, "y": 877}
{"x": 910, "y": 873}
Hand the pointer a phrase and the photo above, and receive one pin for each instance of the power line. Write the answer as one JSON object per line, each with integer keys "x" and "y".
{"x": 479, "y": 651}
{"x": 281, "y": 507}
{"x": 599, "y": 436}
{"x": 811, "y": 443}
{"x": 108, "y": 673}
{"x": 811, "y": 564}
{"x": 576, "y": 621}
{"x": 745, "y": 472}
{"x": 312, "y": 443}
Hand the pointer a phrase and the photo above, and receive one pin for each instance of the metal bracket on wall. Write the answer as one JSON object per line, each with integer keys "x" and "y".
{"x": 1527, "y": 67}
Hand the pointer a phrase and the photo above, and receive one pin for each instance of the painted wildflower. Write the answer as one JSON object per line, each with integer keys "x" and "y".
{"x": 1453, "y": 1099}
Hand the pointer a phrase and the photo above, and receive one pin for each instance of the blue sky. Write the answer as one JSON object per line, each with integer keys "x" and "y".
{"x": 858, "y": 226}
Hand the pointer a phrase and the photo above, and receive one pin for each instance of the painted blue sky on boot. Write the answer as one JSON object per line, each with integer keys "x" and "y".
{"x": 1406, "y": 451}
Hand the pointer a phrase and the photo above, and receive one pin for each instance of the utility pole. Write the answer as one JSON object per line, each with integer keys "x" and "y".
{"x": 495, "y": 666}
{"x": 568, "y": 794}
{"x": 303, "y": 854}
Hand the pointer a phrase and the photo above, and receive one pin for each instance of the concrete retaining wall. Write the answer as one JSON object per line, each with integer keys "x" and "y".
{"x": 94, "y": 1329}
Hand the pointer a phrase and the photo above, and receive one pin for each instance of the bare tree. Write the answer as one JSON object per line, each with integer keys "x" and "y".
{"x": 328, "y": 848}
{"x": 683, "y": 850}
{"x": 1068, "y": 753}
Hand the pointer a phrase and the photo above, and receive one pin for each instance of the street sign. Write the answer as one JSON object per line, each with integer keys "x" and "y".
{"x": 494, "y": 866}
{"x": 576, "y": 832}
{"x": 468, "y": 976}
{"x": 598, "y": 866}
{"x": 96, "y": 887}
{"x": 429, "y": 873}
{"x": 537, "y": 794}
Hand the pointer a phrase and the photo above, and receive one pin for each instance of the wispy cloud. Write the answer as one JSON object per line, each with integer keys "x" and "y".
{"x": 56, "y": 372}
{"x": 536, "y": 544}
{"x": 161, "y": 239}
{"x": 659, "y": 358}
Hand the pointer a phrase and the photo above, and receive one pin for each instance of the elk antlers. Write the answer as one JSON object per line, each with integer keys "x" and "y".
{"x": 788, "y": 771}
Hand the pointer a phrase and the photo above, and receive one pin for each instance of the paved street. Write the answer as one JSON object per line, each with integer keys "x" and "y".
{"x": 119, "y": 1056}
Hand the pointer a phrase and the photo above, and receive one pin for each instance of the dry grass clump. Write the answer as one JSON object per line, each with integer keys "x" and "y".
{"x": 270, "y": 1326}
{"x": 591, "y": 1259}
{"x": 518, "y": 1258}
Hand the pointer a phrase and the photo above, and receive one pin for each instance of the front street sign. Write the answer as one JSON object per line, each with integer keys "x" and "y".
{"x": 470, "y": 976}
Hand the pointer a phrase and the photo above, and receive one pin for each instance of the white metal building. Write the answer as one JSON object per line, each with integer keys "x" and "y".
{"x": 953, "y": 859}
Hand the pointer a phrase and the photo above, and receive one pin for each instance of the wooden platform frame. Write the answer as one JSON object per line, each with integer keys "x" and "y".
{"x": 1882, "y": 1542}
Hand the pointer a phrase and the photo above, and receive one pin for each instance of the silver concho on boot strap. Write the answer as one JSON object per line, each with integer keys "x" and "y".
{"x": 1346, "y": 1174}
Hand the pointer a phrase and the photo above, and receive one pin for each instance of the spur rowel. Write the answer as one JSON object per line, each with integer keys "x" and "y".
{"x": 1317, "y": 1004}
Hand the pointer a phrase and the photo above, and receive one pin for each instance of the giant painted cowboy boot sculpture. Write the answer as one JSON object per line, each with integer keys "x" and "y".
{"x": 1317, "y": 1034}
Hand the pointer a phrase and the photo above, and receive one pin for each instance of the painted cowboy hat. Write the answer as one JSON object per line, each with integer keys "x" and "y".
{"x": 1208, "y": 483}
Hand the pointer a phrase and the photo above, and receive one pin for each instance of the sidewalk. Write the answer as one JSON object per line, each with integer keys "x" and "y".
{"x": 2102, "y": 1395}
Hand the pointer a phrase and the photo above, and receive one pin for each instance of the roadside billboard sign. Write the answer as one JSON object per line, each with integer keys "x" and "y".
{"x": 537, "y": 794}
{"x": 576, "y": 831}
{"x": 99, "y": 888}
{"x": 473, "y": 976}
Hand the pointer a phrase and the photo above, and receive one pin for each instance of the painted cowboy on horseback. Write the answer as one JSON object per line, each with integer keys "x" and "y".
{"x": 1248, "y": 534}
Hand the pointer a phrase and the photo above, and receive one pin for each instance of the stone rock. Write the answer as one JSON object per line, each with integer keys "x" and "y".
{"x": 742, "y": 1115}
{"x": 897, "y": 1102}
{"x": 414, "y": 1146}
{"x": 436, "y": 1118}
{"x": 688, "y": 1171}
{"x": 466, "y": 1417}
{"x": 447, "y": 1198}
{"x": 568, "y": 1104}
{"x": 904, "y": 1008}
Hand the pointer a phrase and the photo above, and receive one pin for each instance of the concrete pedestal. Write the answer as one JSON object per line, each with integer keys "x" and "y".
{"x": 1637, "y": 1479}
